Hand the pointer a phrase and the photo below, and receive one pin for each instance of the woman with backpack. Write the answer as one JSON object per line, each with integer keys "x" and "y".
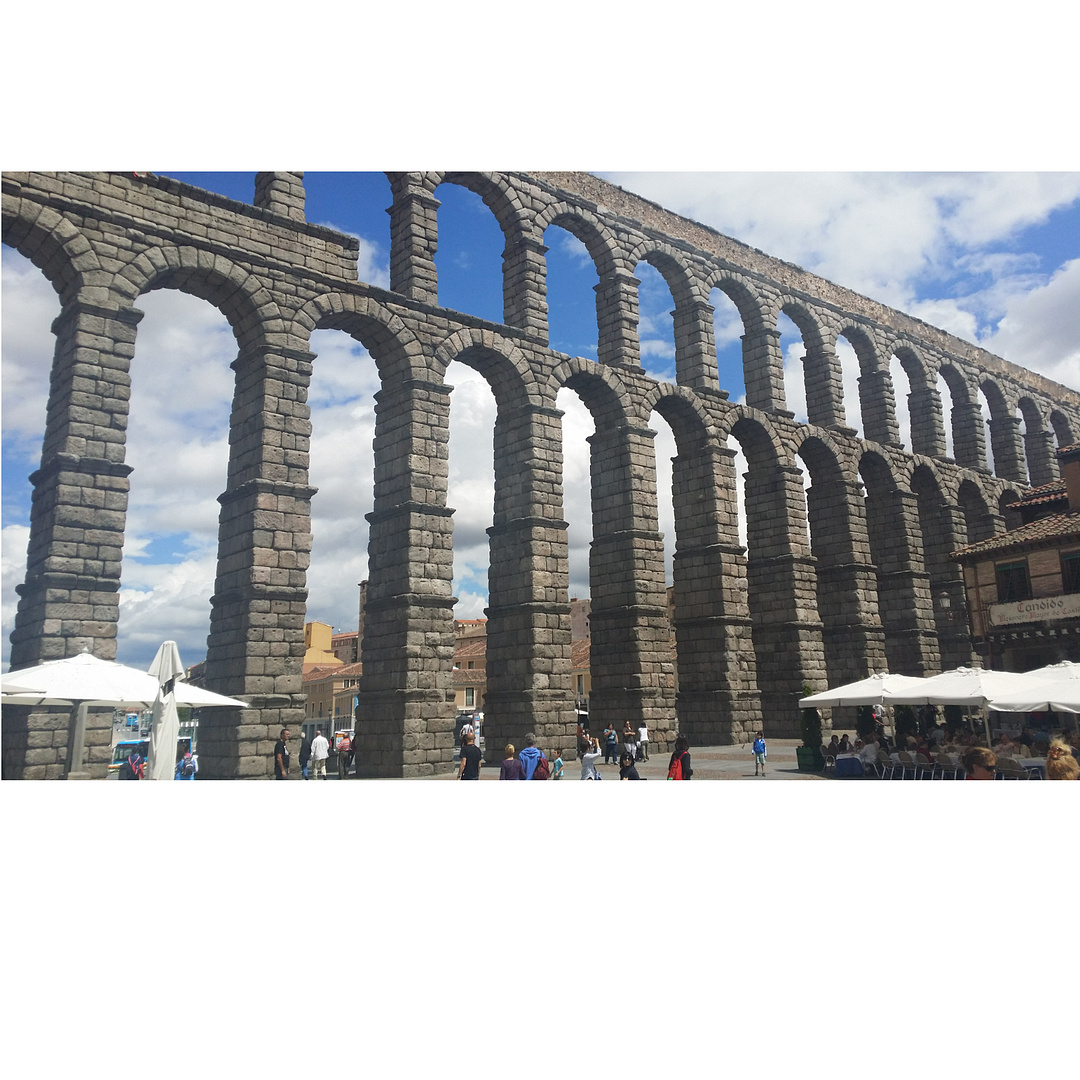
{"x": 679, "y": 766}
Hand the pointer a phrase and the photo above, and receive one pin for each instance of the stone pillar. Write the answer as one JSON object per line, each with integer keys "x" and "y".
{"x": 69, "y": 600}
{"x": 528, "y": 635}
{"x": 824, "y": 387}
{"x": 947, "y": 587}
{"x": 846, "y": 581}
{"x": 717, "y": 700}
{"x": 632, "y": 672}
{"x": 617, "y": 319}
{"x": 763, "y": 370}
{"x": 695, "y": 347}
{"x": 878, "y": 408}
{"x": 1005, "y": 443}
{"x": 414, "y": 239}
{"x": 525, "y": 287}
{"x": 281, "y": 192}
{"x": 783, "y": 604}
{"x": 1039, "y": 450}
{"x": 969, "y": 447}
{"x": 405, "y": 723}
{"x": 927, "y": 432}
{"x": 905, "y": 602}
{"x": 255, "y": 648}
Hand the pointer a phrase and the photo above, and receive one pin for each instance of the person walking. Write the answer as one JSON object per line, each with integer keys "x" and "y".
{"x": 133, "y": 767}
{"x": 557, "y": 767}
{"x": 305, "y": 756}
{"x": 343, "y": 750}
{"x": 186, "y": 767}
{"x": 643, "y": 742}
{"x": 512, "y": 769}
{"x": 679, "y": 766}
{"x": 320, "y": 752}
{"x": 760, "y": 752}
{"x": 629, "y": 739}
{"x": 281, "y": 756}
{"x": 470, "y": 759}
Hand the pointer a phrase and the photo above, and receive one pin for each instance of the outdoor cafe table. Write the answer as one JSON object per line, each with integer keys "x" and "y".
{"x": 1034, "y": 764}
{"x": 848, "y": 765}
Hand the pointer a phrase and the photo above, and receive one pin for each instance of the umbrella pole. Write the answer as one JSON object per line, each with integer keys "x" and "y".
{"x": 77, "y": 743}
{"x": 986, "y": 724}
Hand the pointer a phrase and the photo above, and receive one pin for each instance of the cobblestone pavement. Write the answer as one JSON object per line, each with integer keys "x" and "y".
{"x": 708, "y": 763}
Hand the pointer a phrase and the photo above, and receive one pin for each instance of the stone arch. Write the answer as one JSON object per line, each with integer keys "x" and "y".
{"x": 1007, "y": 508}
{"x": 980, "y": 522}
{"x": 896, "y": 552}
{"x": 942, "y": 527}
{"x": 630, "y": 651}
{"x": 965, "y": 419}
{"x": 1063, "y": 431}
{"x": 786, "y": 631}
{"x": 877, "y": 403}
{"x": 1038, "y": 442}
{"x": 924, "y": 403}
{"x": 822, "y": 377}
{"x": 763, "y": 366}
{"x": 1004, "y": 432}
{"x": 53, "y": 244}
{"x": 846, "y": 589}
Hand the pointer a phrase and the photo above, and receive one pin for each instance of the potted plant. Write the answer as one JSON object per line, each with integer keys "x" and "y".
{"x": 809, "y": 754}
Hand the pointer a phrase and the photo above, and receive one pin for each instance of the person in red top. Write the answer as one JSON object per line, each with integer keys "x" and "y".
{"x": 682, "y": 752}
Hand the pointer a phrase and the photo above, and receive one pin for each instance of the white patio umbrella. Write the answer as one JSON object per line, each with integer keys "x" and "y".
{"x": 966, "y": 686}
{"x": 166, "y": 669}
{"x": 873, "y": 690}
{"x": 1058, "y": 691}
{"x": 84, "y": 680}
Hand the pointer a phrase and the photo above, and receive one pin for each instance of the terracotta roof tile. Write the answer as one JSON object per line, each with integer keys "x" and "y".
{"x": 1056, "y": 527}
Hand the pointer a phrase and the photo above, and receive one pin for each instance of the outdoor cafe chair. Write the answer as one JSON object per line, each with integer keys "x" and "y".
{"x": 885, "y": 764}
{"x": 949, "y": 764}
{"x": 1009, "y": 770}
{"x": 907, "y": 764}
{"x": 924, "y": 767}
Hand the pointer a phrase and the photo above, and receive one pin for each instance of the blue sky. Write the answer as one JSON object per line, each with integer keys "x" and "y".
{"x": 992, "y": 257}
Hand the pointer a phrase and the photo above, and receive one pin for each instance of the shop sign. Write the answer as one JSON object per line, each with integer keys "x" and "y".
{"x": 1039, "y": 609}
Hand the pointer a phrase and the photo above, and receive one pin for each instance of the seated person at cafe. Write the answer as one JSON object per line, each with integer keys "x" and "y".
{"x": 979, "y": 763}
{"x": 845, "y": 745}
{"x": 1006, "y": 747}
{"x": 833, "y": 748}
{"x": 868, "y": 753}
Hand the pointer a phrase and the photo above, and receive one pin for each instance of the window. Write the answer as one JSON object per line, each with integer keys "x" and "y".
{"x": 470, "y": 697}
{"x": 1070, "y": 572}
{"x": 1012, "y": 582}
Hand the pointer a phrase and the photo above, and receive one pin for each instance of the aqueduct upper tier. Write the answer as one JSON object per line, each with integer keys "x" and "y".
{"x": 849, "y": 576}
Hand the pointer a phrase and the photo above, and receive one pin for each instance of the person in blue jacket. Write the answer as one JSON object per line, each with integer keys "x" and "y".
{"x": 759, "y": 753}
{"x": 530, "y": 755}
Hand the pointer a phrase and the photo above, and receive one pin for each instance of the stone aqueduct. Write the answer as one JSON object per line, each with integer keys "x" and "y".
{"x": 870, "y": 584}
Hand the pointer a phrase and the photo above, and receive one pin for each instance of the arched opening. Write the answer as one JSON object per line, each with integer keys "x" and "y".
{"x": 27, "y": 352}
{"x": 793, "y": 350}
{"x": 902, "y": 396}
{"x": 571, "y": 294}
{"x": 728, "y": 330}
{"x": 656, "y": 329}
{"x": 468, "y": 260}
{"x": 850, "y": 373}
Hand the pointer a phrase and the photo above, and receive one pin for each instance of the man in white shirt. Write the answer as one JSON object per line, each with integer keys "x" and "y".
{"x": 320, "y": 751}
{"x": 643, "y": 743}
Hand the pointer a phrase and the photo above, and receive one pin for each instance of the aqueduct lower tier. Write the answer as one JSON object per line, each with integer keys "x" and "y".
{"x": 870, "y": 584}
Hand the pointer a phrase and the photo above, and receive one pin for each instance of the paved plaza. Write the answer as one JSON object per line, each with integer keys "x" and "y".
{"x": 708, "y": 763}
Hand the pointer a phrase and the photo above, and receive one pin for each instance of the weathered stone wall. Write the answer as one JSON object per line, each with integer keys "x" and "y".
{"x": 753, "y": 625}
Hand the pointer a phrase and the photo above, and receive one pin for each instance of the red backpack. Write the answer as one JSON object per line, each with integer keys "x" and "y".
{"x": 675, "y": 770}
{"x": 542, "y": 770}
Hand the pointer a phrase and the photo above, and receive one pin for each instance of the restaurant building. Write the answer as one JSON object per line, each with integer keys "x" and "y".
{"x": 1023, "y": 585}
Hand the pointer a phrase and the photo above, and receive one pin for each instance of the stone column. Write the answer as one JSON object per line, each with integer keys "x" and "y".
{"x": 967, "y": 430}
{"x": 763, "y": 370}
{"x": 824, "y": 387}
{"x": 414, "y": 238}
{"x": 905, "y": 602}
{"x": 617, "y": 319}
{"x": 281, "y": 192}
{"x": 406, "y": 713}
{"x": 846, "y": 581}
{"x": 1039, "y": 450}
{"x": 783, "y": 604}
{"x": 1005, "y": 443}
{"x": 947, "y": 587}
{"x": 69, "y": 600}
{"x": 695, "y": 347}
{"x": 255, "y": 648}
{"x": 878, "y": 408}
{"x": 525, "y": 287}
{"x": 632, "y": 672}
{"x": 927, "y": 433}
{"x": 528, "y": 634}
{"x": 717, "y": 700}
